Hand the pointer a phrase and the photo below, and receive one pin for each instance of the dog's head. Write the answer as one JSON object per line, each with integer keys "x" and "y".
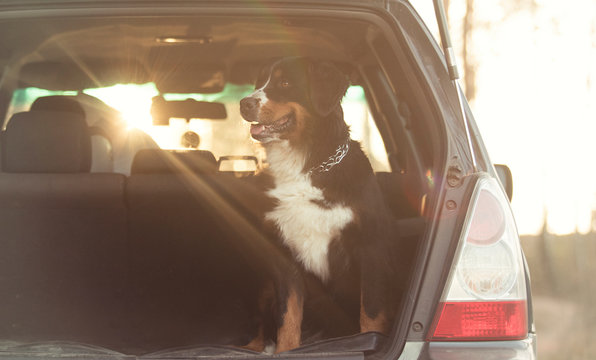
{"x": 291, "y": 95}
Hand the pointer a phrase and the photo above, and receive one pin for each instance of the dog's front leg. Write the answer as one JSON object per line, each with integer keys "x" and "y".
{"x": 285, "y": 296}
{"x": 377, "y": 280}
{"x": 373, "y": 316}
{"x": 265, "y": 301}
{"x": 374, "y": 296}
{"x": 291, "y": 302}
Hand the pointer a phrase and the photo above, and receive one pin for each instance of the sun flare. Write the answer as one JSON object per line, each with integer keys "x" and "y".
{"x": 132, "y": 101}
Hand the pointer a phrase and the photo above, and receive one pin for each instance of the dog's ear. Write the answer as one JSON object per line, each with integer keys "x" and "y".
{"x": 328, "y": 85}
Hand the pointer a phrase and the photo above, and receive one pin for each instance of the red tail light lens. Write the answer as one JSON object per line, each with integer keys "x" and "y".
{"x": 482, "y": 321}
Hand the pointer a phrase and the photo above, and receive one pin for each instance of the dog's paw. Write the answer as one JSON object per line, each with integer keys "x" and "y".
{"x": 270, "y": 348}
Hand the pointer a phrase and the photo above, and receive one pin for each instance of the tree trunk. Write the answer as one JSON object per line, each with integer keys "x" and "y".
{"x": 469, "y": 66}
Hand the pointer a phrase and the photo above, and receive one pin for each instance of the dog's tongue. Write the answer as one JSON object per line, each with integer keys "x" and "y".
{"x": 256, "y": 129}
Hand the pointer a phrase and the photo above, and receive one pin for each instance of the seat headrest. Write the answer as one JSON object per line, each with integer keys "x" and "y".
{"x": 157, "y": 161}
{"x": 58, "y": 103}
{"x": 46, "y": 142}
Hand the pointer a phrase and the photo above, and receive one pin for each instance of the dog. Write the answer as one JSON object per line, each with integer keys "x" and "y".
{"x": 328, "y": 214}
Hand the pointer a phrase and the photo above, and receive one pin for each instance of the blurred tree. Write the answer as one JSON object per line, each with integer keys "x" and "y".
{"x": 469, "y": 66}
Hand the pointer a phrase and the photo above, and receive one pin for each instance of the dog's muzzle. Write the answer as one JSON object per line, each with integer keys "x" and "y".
{"x": 249, "y": 108}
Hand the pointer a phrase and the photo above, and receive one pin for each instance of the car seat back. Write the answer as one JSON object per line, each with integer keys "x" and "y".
{"x": 63, "y": 246}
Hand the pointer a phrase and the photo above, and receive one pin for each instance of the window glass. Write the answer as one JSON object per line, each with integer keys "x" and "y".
{"x": 23, "y": 98}
{"x": 221, "y": 137}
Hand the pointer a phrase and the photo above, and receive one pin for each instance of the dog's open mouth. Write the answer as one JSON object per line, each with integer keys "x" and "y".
{"x": 259, "y": 131}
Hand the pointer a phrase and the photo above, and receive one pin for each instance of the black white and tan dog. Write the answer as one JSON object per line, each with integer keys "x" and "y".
{"x": 327, "y": 212}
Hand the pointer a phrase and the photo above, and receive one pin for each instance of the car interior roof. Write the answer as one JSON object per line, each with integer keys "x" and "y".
{"x": 137, "y": 49}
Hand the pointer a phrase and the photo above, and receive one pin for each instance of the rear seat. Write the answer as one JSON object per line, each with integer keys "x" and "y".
{"x": 63, "y": 248}
{"x": 149, "y": 262}
{"x": 153, "y": 261}
{"x": 189, "y": 281}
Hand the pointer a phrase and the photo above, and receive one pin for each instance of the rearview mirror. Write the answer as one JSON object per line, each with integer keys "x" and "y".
{"x": 162, "y": 110}
{"x": 504, "y": 174}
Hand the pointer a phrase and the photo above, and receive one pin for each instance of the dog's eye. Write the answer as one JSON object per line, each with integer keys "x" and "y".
{"x": 284, "y": 83}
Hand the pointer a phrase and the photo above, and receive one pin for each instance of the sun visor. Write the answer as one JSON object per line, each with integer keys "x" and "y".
{"x": 162, "y": 110}
{"x": 85, "y": 74}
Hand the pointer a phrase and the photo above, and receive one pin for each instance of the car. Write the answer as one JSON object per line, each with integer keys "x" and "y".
{"x": 120, "y": 239}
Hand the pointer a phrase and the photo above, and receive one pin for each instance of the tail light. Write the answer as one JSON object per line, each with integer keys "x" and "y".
{"x": 485, "y": 295}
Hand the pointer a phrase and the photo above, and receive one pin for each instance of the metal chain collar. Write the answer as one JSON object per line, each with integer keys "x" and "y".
{"x": 333, "y": 160}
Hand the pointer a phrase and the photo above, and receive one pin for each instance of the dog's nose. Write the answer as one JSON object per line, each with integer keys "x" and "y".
{"x": 248, "y": 108}
{"x": 249, "y": 103}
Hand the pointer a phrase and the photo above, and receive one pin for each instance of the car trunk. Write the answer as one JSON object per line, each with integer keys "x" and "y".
{"x": 153, "y": 261}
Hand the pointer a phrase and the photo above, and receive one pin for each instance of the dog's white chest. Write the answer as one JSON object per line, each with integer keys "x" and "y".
{"x": 306, "y": 227}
